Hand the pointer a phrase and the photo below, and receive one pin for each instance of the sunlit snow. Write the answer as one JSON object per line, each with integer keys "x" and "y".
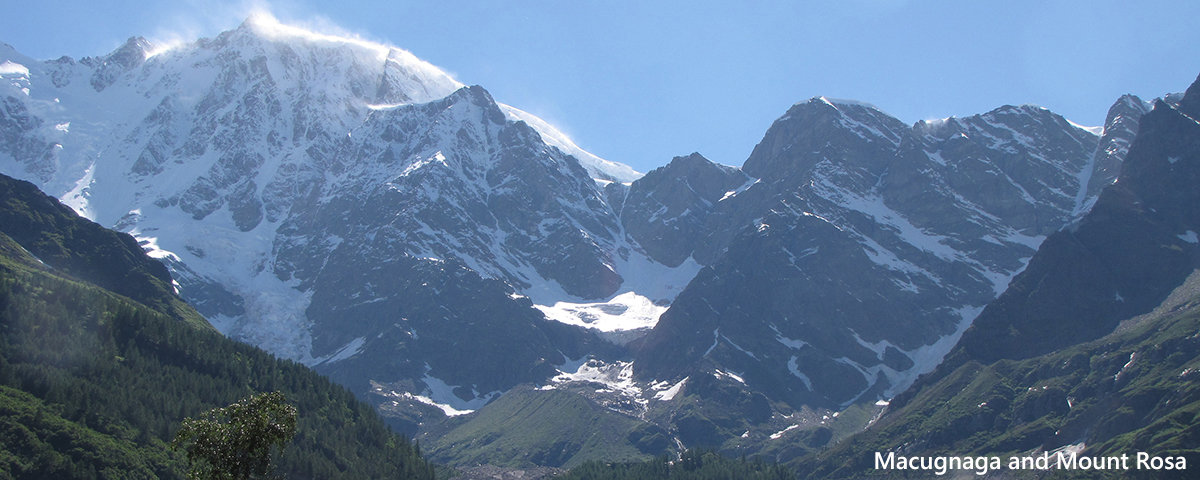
{"x": 11, "y": 68}
{"x": 670, "y": 393}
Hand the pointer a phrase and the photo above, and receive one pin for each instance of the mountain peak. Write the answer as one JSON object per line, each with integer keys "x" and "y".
{"x": 844, "y": 102}
{"x": 402, "y": 69}
{"x": 1190, "y": 105}
{"x": 266, "y": 25}
{"x": 125, "y": 58}
{"x": 1126, "y": 105}
{"x": 822, "y": 129}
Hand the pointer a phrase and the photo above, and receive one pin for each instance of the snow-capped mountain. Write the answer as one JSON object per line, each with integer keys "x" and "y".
{"x": 288, "y": 178}
{"x": 349, "y": 206}
{"x": 842, "y": 261}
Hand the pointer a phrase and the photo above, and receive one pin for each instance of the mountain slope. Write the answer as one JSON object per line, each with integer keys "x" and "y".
{"x": 95, "y": 383}
{"x": 1042, "y": 367}
{"x": 85, "y": 250}
{"x": 1131, "y": 391}
{"x": 1087, "y": 280}
{"x": 552, "y": 428}
{"x": 849, "y": 266}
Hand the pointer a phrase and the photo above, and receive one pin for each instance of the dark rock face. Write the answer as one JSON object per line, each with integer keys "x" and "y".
{"x": 1120, "y": 128}
{"x": 864, "y": 246}
{"x": 414, "y": 317}
{"x": 487, "y": 190}
{"x": 666, "y": 210}
{"x": 1136, "y": 245}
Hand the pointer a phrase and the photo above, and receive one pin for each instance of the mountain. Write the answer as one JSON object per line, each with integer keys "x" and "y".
{"x": 93, "y": 384}
{"x": 844, "y": 223}
{"x": 1088, "y": 280}
{"x": 286, "y": 178}
{"x": 345, "y": 205}
{"x": 1092, "y": 348}
{"x": 859, "y": 248}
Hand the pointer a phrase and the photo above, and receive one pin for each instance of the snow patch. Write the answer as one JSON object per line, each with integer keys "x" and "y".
{"x": 790, "y": 343}
{"x": 716, "y": 339}
{"x": 927, "y": 357}
{"x": 670, "y": 393}
{"x": 354, "y": 347}
{"x": 616, "y": 377}
{"x": 647, "y": 292}
{"x": 779, "y": 434}
{"x": 794, "y": 367}
{"x": 729, "y": 375}
{"x": 739, "y": 348}
{"x": 878, "y": 347}
{"x": 627, "y": 311}
{"x": 850, "y": 102}
{"x": 150, "y": 246}
{"x": 11, "y": 68}
{"x": 1097, "y": 130}
{"x": 78, "y": 198}
{"x": 733, "y": 193}
{"x": 442, "y": 396}
{"x": 447, "y": 409}
{"x": 1189, "y": 237}
{"x": 873, "y": 206}
{"x": 924, "y": 358}
{"x": 597, "y": 167}
{"x": 571, "y": 365}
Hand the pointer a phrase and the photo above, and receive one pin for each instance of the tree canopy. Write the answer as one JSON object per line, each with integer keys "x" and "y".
{"x": 234, "y": 443}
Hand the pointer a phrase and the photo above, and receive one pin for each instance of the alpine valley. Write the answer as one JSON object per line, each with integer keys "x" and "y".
{"x": 513, "y": 300}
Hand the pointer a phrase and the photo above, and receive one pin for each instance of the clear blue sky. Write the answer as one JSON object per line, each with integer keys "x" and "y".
{"x": 642, "y": 81}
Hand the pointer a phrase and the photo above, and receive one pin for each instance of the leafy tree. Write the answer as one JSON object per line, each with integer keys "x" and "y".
{"x": 234, "y": 443}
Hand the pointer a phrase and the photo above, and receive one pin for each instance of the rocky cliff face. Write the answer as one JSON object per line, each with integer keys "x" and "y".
{"x": 1120, "y": 128}
{"x": 864, "y": 247}
{"x": 1135, "y": 246}
{"x": 667, "y": 210}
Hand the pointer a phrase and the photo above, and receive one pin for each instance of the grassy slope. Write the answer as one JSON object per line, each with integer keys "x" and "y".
{"x": 1137, "y": 389}
{"x": 563, "y": 428}
{"x": 696, "y": 464}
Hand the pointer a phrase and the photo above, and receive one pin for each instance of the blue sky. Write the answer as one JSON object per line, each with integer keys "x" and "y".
{"x": 640, "y": 81}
